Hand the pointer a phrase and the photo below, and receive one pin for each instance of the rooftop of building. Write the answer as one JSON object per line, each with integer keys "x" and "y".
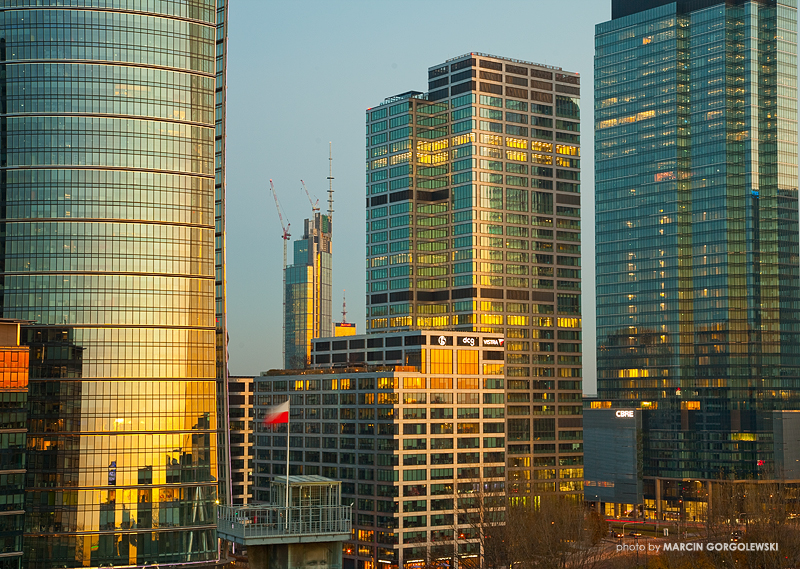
{"x": 340, "y": 369}
{"x": 622, "y": 8}
{"x": 403, "y": 96}
{"x": 500, "y": 57}
{"x": 409, "y": 332}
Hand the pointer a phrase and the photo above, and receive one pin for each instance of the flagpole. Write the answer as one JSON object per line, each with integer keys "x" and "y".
{"x": 288, "y": 430}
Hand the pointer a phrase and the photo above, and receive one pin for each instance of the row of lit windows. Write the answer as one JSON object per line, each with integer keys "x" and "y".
{"x": 544, "y": 322}
{"x": 474, "y": 267}
{"x": 513, "y": 197}
{"x": 489, "y": 280}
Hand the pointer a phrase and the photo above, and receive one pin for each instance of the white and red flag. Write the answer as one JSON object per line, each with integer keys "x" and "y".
{"x": 278, "y": 414}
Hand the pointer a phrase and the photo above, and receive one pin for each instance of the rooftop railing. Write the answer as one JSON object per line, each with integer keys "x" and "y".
{"x": 504, "y": 59}
{"x": 244, "y": 524}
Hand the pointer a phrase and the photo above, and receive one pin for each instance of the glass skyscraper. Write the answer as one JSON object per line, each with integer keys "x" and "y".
{"x": 308, "y": 292}
{"x": 697, "y": 232}
{"x": 112, "y": 117}
{"x": 473, "y": 224}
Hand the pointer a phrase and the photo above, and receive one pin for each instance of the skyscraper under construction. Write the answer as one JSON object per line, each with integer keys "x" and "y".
{"x": 308, "y": 291}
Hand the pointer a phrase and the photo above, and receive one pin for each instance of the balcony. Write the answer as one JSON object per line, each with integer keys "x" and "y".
{"x": 266, "y": 524}
{"x": 314, "y": 514}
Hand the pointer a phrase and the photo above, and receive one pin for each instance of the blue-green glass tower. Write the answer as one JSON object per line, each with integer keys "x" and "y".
{"x": 697, "y": 231}
{"x": 112, "y": 131}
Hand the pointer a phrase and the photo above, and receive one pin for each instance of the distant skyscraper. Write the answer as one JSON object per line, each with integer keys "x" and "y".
{"x": 473, "y": 224}
{"x": 107, "y": 182}
{"x": 697, "y": 237}
{"x": 308, "y": 291}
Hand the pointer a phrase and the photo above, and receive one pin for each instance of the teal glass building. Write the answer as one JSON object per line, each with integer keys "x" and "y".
{"x": 697, "y": 233}
{"x": 112, "y": 243}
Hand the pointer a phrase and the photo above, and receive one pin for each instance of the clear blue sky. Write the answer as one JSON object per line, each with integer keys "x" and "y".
{"x": 301, "y": 74}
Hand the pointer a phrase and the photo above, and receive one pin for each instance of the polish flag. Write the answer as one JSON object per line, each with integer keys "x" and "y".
{"x": 277, "y": 414}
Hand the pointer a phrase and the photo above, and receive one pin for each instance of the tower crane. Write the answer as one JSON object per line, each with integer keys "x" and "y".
{"x": 285, "y": 236}
{"x": 314, "y": 204}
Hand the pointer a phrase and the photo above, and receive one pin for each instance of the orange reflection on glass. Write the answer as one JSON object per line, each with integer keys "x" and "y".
{"x": 14, "y": 366}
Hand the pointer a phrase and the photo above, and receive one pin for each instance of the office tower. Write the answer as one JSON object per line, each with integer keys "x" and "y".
{"x": 308, "y": 291}
{"x": 107, "y": 178}
{"x": 220, "y": 282}
{"x": 14, "y": 397}
{"x": 413, "y": 423}
{"x": 473, "y": 224}
{"x": 242, "y": 415}
{"x": 697, "y": 238}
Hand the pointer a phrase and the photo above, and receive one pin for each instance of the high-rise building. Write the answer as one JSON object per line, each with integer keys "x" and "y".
{"x": 13, "y": 440}
{"x": 308, "y": 291}
{"x": 413, "y": 423}
{"x": 473, "y": 224}
{"x": 220, "y": 282}
{"x": 242, "y": 416}
{"x": 697, "y": 239}
{"x": 107, "y": 178}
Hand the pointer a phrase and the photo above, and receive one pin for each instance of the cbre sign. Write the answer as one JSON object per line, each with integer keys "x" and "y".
{"x": 624, "y": 414}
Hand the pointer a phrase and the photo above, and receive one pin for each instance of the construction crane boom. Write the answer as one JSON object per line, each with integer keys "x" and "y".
{"x": 285, "y": 236}
{"x": 314, "y": 204}
{"x": 284, "y": 226}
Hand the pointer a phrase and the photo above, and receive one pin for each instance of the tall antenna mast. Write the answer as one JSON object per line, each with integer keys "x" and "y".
{"x": 344, "y": 307}
{"x": 330, "y": 180}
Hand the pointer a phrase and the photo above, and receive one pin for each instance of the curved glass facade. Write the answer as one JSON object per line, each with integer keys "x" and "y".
{"x": 107, "y": 243}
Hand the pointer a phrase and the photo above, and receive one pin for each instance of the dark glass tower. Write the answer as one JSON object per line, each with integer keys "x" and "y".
{"x": 697, "y": 231}
{"x": 107, "y": 243}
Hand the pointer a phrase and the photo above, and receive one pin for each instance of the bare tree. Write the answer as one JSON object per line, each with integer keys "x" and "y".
{"x": 479, "y": 527}
{"x": 746, "y": 513}
{"x": 558, "y": 533}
